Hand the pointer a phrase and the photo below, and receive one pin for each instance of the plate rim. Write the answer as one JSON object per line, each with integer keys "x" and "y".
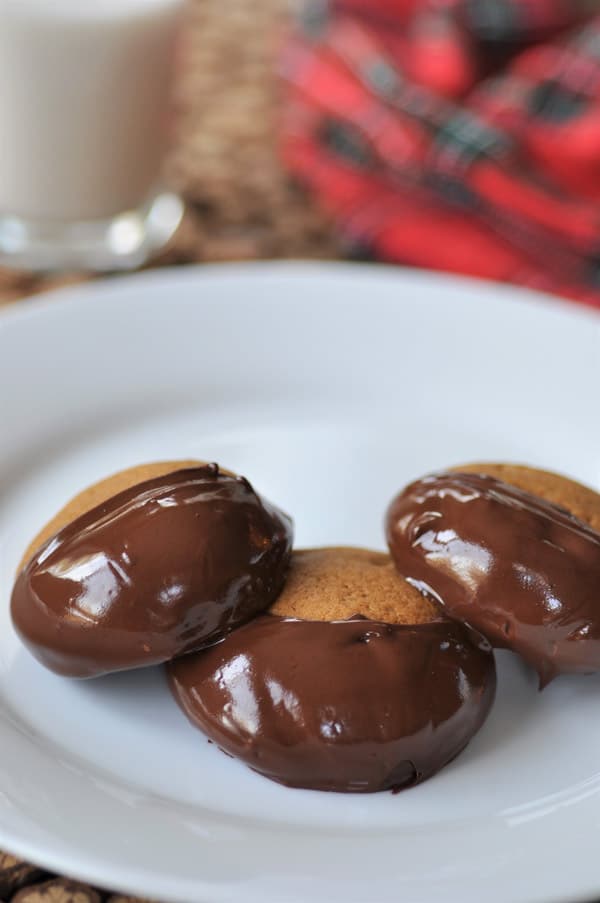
{"x": 92, "y": 290}
{"x": 88, "y": 292}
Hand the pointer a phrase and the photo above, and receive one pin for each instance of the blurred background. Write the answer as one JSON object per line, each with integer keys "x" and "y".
{"x": 459, "y": 135}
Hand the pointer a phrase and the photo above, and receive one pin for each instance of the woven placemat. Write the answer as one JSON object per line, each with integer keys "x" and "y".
{"x": 240, "y": 205}
{"x": 24, "y": 883}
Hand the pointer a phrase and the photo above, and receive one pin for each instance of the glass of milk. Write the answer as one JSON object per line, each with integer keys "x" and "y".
{"x": 85, "y": 90}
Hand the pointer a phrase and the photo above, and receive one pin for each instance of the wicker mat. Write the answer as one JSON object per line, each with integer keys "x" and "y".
{"x": 240, "y": 206}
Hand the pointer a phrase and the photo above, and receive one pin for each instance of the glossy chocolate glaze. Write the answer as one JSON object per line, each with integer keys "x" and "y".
{"x": 166, "y": 567}
{"x": 522, "y": 571}
{"x": 348, "y": 706}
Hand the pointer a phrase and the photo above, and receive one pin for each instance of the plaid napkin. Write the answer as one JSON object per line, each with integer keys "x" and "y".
{"x": 461, "y": 135}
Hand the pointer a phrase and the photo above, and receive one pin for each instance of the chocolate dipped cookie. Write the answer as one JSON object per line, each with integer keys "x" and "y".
{"x": 353, "y": 682}
{"x": 152, "y": 563}
{"x": 512, "y": 551}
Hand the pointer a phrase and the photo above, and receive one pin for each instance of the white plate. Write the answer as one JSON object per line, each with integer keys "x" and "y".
{"x": 330, "y": 386}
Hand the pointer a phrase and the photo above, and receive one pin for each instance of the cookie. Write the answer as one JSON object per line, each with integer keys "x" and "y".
{"x": 347, "y": 706}
{"x": 513, "y": 552}
{"x": 164, "y": 567}
{"x": 333, "y": 584}
{"x": 351, "y": 683}
{"x": 100, "y": 492}
{"x": 579, "y": 500}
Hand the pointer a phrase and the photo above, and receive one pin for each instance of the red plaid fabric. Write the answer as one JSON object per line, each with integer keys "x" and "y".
{"x": 453, "y": 134}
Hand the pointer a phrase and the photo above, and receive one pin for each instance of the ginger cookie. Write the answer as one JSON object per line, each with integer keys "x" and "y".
{"x": 512, "y": 551}
{"x": 351, "y": 683}
{"x": 579, "y": 500}
{"x": 164, "y": 567}
{"x": 333, "y": 584}
{"x": 100, "y": 492}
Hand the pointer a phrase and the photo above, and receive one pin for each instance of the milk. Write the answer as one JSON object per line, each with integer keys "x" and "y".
{"x": 84, "y": 100}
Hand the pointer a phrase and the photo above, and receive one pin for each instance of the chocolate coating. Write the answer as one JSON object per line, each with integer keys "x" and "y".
{"x": 163, "y": 568}
{"x": 521, "y": 570}
{"x": 353, "y": 705}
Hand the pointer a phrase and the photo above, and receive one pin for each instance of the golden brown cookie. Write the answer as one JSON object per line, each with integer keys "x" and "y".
{"x": 512, "y": 551}
{"x": 347, "y": 705}
{"x": 577, "y": 499}
{"x": 157, "y": 570}
{"x": 100, "y": 492}
{"x": 333, "y": 584}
